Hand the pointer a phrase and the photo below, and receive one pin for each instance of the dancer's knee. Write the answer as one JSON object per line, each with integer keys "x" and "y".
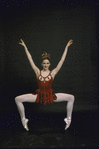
{"x": 16, "y": 99}
{"x": 72, "y": 98}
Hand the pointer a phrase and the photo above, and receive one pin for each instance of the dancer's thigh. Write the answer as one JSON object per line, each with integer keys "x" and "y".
{"x": 26, "y": 98}
{"x": 63, "y": 97}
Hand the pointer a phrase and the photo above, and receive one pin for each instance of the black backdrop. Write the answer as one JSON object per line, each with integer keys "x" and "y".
{"x": 48, "y": 26}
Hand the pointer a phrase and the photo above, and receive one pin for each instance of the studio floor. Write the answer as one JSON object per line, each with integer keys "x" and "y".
{"x": 46, "y": 130}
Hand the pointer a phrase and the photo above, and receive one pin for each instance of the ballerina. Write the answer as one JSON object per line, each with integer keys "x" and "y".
{"x": 44, "y": 94}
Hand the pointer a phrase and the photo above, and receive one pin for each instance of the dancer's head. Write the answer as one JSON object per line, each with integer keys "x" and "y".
{"x": 45, "y": 61}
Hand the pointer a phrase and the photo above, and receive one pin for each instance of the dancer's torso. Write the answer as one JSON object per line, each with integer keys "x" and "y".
{"x": 45, "y": 83}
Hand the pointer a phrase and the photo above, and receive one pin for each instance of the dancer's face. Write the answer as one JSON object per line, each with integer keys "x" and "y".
{"x": 45, "y": 64}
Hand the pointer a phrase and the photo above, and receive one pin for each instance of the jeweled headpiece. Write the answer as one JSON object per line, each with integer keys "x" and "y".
{"x": 45, "y": 55}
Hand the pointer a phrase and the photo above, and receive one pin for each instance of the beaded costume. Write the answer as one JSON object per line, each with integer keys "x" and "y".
{"x": 45, "y": 95}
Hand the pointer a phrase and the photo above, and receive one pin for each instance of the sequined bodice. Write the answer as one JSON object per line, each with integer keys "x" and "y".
{"x": 45, "y": 83}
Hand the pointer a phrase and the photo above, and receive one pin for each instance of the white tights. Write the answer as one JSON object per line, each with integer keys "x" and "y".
{"x": 32, "y": 98}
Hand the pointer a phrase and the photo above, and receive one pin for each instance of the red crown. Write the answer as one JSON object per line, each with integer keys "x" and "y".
{"x": 46, "y": 55}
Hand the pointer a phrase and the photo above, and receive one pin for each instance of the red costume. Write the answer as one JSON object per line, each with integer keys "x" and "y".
{"x": 45, "y": 95}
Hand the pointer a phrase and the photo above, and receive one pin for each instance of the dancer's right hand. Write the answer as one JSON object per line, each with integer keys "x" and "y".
{"x": 22, "y": 43}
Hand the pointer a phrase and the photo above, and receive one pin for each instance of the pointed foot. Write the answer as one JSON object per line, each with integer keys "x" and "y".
{"x": 68, "y": 122}
{"x": 25, "y": 123}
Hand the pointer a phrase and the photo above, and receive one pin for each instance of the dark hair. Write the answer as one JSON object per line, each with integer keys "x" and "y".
{"x": 45, "y": 55}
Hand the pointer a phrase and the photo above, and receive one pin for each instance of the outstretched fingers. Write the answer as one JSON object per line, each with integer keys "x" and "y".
{"x": 70, "y": 42}
{"x": 22, "y": 42}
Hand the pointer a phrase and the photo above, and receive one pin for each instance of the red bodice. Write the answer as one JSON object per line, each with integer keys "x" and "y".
{"x": 45, "y": 95}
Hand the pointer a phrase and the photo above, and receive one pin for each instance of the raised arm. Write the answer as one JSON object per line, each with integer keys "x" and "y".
{"x": 55, "y": 71}
{"x": 35, "y": 68}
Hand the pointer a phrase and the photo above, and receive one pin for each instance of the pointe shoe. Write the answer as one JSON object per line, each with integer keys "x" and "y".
{"x": 68, "y": 122}
{"x": 24, "y": 122}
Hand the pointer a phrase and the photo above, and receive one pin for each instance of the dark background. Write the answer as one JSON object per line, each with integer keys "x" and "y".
{"x": 48, "y": 26}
